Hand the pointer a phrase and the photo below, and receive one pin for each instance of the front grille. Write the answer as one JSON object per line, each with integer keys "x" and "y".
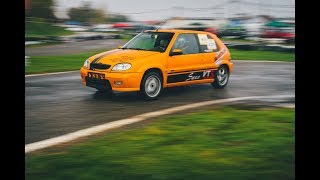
{"x": 99, "y": 66}
{"x": 100, "y": 84}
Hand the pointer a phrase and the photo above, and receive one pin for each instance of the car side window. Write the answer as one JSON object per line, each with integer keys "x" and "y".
{"x": 187, "y": 43}
{"x": 207, "y": 43}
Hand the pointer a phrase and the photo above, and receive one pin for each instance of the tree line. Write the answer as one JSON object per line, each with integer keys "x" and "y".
{"x": 85, "y": 13}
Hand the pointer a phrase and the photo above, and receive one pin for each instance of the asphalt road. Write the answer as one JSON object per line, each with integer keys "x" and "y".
{"x": 60, "y": 104}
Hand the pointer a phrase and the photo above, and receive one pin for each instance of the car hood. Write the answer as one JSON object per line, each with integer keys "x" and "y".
{"x": 120, "y": 56}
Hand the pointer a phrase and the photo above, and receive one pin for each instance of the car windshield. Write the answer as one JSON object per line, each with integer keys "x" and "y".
{"x": 150, "y": 41}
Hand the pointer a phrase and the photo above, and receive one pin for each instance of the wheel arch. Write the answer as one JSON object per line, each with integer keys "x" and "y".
{"x": 156, "y": 70}
{"x": 158, "y": 89}
{"x": 227, "y": 65}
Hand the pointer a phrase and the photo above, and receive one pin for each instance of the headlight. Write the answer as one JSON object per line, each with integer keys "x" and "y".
{"x": 86, "y": 63}
{"x": 121, "y": 67}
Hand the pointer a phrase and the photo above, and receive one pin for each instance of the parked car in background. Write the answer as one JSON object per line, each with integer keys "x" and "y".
{"x": 285, "y": 33}
{"x": 78, "y": 29}
{"x": 105, "y": 28}
{"x": 212, "y": 30}
{"x": 233, "y": 31}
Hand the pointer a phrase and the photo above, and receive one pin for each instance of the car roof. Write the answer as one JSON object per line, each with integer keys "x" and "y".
{"x": 177, "y": 31}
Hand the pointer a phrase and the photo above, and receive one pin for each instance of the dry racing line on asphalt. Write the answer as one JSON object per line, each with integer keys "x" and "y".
{"x": 119, "y": 123}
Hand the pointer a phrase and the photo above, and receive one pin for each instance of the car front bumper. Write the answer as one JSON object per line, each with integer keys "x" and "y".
{"x": 117, "y": 81}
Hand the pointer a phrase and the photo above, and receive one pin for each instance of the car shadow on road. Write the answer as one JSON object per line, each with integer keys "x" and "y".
{"x": 181, "y": 93}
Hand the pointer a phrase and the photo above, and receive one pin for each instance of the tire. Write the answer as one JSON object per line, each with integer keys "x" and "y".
{"x": 221, "y": 77}
{"x": 151, "y": 86}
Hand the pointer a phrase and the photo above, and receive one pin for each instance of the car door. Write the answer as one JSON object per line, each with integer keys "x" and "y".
{"x": 179, "y": 66}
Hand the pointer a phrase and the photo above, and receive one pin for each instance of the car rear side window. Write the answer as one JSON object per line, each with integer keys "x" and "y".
{"x": 187, "y": 43}
{"x": 207, "y": 43}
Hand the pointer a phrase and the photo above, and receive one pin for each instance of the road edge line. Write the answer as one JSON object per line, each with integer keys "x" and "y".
{"x": 46, "y": 74}
{"x": 119, "y": 123}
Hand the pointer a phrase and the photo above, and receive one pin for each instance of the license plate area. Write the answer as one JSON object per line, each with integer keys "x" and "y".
{"x": 96, "y": 75}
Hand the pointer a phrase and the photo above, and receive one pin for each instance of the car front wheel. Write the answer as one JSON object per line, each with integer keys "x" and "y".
{"x": 221, "y": 77}
{"x": 151, "y": 86}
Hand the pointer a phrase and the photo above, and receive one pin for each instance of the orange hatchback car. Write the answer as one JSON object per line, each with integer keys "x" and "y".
{"x": 157, "y": 59}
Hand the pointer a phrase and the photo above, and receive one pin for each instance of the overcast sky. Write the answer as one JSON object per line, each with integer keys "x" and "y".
{"x": 141, "y": 10}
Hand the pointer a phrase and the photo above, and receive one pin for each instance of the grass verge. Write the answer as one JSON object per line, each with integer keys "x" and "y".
{"x": 36, "y": 28}
{"x": 44, "y": 64}
{"x": 261, "y": 55}
{"x": 223, "y": 143}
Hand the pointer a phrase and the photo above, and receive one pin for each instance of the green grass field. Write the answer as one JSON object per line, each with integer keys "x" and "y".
{"x": 222, "y": 143}
{"x": 261, "y": 55}
{"x": 37, "y": 28}
{"x": 42, "y": 64}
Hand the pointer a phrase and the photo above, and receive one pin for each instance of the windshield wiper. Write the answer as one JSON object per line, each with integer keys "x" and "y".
{"x": 134, "y": 48}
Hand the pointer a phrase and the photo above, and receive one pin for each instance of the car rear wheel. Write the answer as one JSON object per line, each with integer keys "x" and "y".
{"x": 221, "y": 77}
{"x": 151, "y": 86}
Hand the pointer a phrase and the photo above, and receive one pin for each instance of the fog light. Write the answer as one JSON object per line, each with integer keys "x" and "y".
{"x": 117, "y": 83}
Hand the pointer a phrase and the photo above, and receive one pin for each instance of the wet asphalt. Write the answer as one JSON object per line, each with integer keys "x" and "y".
{"x": 60, "y": 104}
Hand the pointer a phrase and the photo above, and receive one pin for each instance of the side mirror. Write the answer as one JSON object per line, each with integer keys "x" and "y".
{"x": 119, "y": 47}
{"x": 176, "y": 52}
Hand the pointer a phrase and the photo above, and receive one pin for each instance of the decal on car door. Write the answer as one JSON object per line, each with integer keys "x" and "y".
{"x": 190, "y": 76}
